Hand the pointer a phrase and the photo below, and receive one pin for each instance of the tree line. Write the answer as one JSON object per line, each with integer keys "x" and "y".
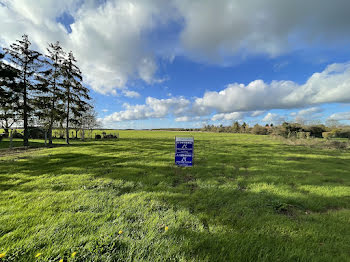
{"x": 287, "y": 130}
{"x": 43, "y": 90}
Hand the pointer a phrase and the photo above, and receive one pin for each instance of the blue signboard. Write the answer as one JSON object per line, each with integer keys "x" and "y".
{"x": 184, "y": 151}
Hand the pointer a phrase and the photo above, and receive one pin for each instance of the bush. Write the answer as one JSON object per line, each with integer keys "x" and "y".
{"x": 337, "y": 144}
{"x": 17, "y": 135}
{"x": 316, "y": 131}
{"x": 259, "y": 130}
{"x": 36, "y": 133}
{"x": 303, "y": 135}
{"x": 342, "y": 134}
{"x": 327, "y": 135}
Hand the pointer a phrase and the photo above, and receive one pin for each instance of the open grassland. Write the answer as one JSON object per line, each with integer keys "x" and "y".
{"x": 248, "y": 198}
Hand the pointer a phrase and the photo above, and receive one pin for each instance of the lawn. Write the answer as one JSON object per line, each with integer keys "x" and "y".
{"x": 247, "y": 198}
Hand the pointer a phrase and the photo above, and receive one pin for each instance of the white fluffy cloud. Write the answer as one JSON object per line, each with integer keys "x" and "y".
{"x": 110, "y": 38}
{"x": 153, "y": 108}
{"x": 228, "y": 116}
{"x": 330, "y": 86}
{"x": 131, "y": 94}
{"x": 340, "y": 116}
{"x": 307, "y": 114}
{"x": 238, "y": 100}
{"x": 273, "y": 118}
{"x": 187, "y": 119}
{"x": 216, "y": 28}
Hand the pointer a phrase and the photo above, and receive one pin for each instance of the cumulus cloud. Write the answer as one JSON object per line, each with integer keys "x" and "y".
{"x": 340, "y": 116}
{"x": 153, "y": 108}
{"x": 108, "y": 38}
{"x": 228, "y": 116}
{"x": 238, "y": 100}
{"x": 111, "y": 38}
{"x": 307, "y": 114}
{"x": 187, "y": 119}
{"x": 215, "y": 28}
{"x": 273, "y": 118}
{"x": 330, "y": 86}
{"x": 131, "y": 94}
{"x": 257, "y": 113}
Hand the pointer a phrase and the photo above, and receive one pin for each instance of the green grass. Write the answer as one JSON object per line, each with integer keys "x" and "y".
{"x": 247, "y": 198}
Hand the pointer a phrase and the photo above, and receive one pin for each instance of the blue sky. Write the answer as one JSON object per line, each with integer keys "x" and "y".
{"x": 179, "y": 63}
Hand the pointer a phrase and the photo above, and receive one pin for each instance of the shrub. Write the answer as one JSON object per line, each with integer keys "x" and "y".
{"x": 327, "y": 135}
{"x": 303, "y": 135}
{"x": 259, "y": 130}
{"x": 337, "y": 144}
{"x": 17, "y": 135}
{"x": 316, "y": 131}
{"x": 342, "y": 134}
{"x": 36, "y": 133}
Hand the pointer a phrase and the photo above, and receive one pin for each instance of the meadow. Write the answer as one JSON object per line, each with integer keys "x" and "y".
{"x": 247, "y": 198}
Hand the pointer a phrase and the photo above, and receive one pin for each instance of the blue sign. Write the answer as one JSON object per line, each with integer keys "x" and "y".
{"x": 184, "y": 151}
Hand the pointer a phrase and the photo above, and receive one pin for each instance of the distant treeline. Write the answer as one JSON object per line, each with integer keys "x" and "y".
{"x": 286, "y": 130}
{"x": 42, "y": 90}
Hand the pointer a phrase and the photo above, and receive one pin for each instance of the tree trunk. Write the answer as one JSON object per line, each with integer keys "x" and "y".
{"x": 67, "y": 124}
{"x": 50, "y": 135}
{"x": 25, "y": 110}
{"x": 11, "y": 135}
{"x": 6, "y": 130}
{"x": 52, "y": 108}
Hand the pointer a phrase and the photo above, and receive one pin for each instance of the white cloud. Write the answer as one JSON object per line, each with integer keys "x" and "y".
{"x": 257, "y": 113}
{"x": 340, "y": 116}
{"x": 105, "y": 110}
{"x": 153, "y": 108}
{"x": 330, "y": 86}
{"x": 228, "y": 116}
{"x": 215, "y": 28}
{"x": 187, "y": 119}
{"x": 131, "y": 94}
{"x": 307, "y": 114}
{"x": 273, "y": 118}
{"x": 238, "y": 100}
{"x": 108, "y": 39}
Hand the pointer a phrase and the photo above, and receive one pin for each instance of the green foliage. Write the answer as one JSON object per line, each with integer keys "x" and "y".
{"x": 28, "y": 61}
{"x": 259, "y": 130}
{"x": 247, "y": 198}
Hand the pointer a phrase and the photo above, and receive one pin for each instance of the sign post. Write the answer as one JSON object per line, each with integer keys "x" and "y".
{"x": 184, "y": 151}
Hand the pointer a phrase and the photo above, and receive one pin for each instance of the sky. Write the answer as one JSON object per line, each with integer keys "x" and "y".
{"x": 188, "y": 63}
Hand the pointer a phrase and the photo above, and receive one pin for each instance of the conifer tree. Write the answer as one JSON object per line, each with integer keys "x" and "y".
{"x": 28, "y": 62}
{"x": 8, "y": 89}
{"x": 50, "y": 104}
{"x": 75, "y": 94}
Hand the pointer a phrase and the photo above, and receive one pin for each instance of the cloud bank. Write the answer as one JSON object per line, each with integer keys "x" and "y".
{"x": 111, "y": 38}
{"x": 238, "y": 100}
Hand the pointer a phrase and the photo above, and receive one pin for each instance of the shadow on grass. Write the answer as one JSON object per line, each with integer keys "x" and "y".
{"x": 217, "y": 190}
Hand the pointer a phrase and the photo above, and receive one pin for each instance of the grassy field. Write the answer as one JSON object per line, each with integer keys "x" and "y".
{"x": 247, "y": 198}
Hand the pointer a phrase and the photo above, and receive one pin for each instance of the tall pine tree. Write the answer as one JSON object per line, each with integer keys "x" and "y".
{"x": 28, "y": 63}
{"x": 8, "y": 89}
{"x": 76, "y": 95}
{"x": 50, "y": 105}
